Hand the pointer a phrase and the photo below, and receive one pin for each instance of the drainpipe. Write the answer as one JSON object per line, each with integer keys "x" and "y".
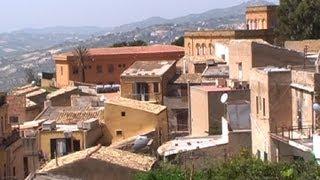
{"x": 189, "y": 107}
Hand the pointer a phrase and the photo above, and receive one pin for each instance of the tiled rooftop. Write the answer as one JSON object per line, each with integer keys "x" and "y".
{"x": 61, "y": 91}
{"x": 140, "y": 105}
{"x": 184, "y": 78}
{"x": 216, "y": 71}
{"x": 148, "y": 68}
{"x": 24, "y": 90}
{"x": 104, "y": 154}
{"x": 132, "y": 50}
{"x": 71, "y": 115}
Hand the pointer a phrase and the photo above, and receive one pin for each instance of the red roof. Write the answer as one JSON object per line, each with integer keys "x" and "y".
{"x": 133, "y": 50}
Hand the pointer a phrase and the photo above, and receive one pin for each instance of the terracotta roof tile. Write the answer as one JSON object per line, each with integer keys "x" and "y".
{"x": 105, "y": 154}
{"x": 132, "y": 50}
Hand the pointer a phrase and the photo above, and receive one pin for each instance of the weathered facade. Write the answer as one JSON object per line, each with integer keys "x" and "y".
{"x": 207, "y": 109}
{"x": 25, "y": 103}
{"x": 11, "y": 149}
{"x": 247, "y": 54}
{"x": 127, "y": 118}
{"x": 261, "y": 17}
{"x": 147, "y": 80}
{"x": 283, "y": 119}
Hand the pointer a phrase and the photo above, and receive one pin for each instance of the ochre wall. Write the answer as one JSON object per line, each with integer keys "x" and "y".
{"x": 135, "y": 122}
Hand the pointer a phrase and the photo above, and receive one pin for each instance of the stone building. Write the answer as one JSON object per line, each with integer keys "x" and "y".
{"x": 98, "y": 162}
{"x": 69, "y": 129}
{"x": 25, "y": 103}
{"x": 147, "y": 80}
{"x": 11, "y": 149}
{"x": 261, "y": 17}
{"x": 247, "y": 54}
{"x": 283, "y": 118}
{"x": 207, "y": 109}
{"x": 212, "y": 45}
{"x": 105, "y": 65}
{"x": 126, "y": 118}
{"x": 204, "y": 151}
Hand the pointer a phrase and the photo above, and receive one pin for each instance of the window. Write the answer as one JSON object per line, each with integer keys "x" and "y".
{"x": 14, "y": 120}
{"x": 99, "y": 69}
{"x": 75, "y": 70}
{"x": 123, "y": 113}
{"x": 119, "y": 132}
{"x": 264, "y": 106}
{"x": 61, "y": 70}
{"x": 110, "y": 68}
{"x": 265, "y": 156}
{"x": 210, "y": 49}
{"x": 14, "y": 171}
{"x": 156, "y": 87}
{"x": 198, "y": 49}
{"x": 223, "y": 56}
{"x": 257, "y": 104}
{"x": 258, "y": 154}
{"x": 240, "y": 71}
{"x": 204, "y": 48}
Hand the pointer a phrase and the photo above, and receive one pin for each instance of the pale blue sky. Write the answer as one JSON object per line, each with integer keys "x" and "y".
{"x": 17, "y": 14}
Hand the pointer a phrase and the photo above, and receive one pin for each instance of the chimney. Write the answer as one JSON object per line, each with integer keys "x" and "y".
{"x": 317, "y": 63}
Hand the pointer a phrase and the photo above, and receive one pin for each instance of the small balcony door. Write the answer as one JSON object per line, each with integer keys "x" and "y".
{"x": 143, "y": 91}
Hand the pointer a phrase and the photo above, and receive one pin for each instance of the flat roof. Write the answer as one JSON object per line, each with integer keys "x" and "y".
{"x": 148, "y": 68}
{"x": 135, "y": 104}
{"x": 131, "y": 50}
{"x": 211, "y": 88}
{"x": 186, "y": 144}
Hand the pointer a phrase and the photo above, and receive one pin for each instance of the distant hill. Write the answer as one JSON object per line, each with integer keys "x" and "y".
{"x": 33, "y": 48}
{"x": 193, "y": 18}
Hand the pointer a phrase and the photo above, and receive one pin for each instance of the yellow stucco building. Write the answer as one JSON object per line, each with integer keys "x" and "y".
{"x": 127, "y": 118}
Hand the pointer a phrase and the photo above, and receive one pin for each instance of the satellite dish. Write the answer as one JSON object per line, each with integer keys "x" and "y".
{"x": 140, "y": 143}
{"x": 316, "y": 107}
{"x": 224, "y": 98}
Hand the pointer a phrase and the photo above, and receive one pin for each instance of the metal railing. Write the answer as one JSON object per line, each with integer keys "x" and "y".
{"x": 295, "y": 132}
{"x": 15, "y": 136}
{"x": 145, "y": 97}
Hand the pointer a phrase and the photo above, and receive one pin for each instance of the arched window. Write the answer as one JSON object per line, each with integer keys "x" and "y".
{"x": 198, "y": 49}
{"x": 204, "y": 49}
{"x": 189, "y": 48}
{"x": 255, "y": 24}
{"x": 263, "y": 24}
{"x": 210, "y": 49}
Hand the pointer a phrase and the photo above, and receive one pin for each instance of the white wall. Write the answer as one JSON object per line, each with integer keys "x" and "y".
{"x": 222, "y": 49}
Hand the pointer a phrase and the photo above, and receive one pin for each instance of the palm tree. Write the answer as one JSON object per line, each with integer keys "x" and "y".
{"x": 81, "y": 53}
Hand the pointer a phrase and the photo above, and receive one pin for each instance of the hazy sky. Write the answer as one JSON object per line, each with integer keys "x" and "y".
{"x": 17, "y": 14}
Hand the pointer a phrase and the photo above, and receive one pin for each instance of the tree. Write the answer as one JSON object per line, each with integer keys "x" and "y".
{"x": 131, "y": 43}
{"x": 241, "y": 167}
{"x": 31, "y": 75}
{"x": 299, "y": 19}
{"x": 82, "y": 55}
{"x": 179, "y": 42}
{"x": 137, "y": 43}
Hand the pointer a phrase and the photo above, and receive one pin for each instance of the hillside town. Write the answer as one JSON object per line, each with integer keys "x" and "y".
{"x": 113, "y": 112}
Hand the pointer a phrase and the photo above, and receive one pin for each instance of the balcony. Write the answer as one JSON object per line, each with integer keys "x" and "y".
{"x": 298, "y": 137}
{"x": 151, "y": 97}
{"x": 15, "y": 136}
{"x": 294, "y": 132}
